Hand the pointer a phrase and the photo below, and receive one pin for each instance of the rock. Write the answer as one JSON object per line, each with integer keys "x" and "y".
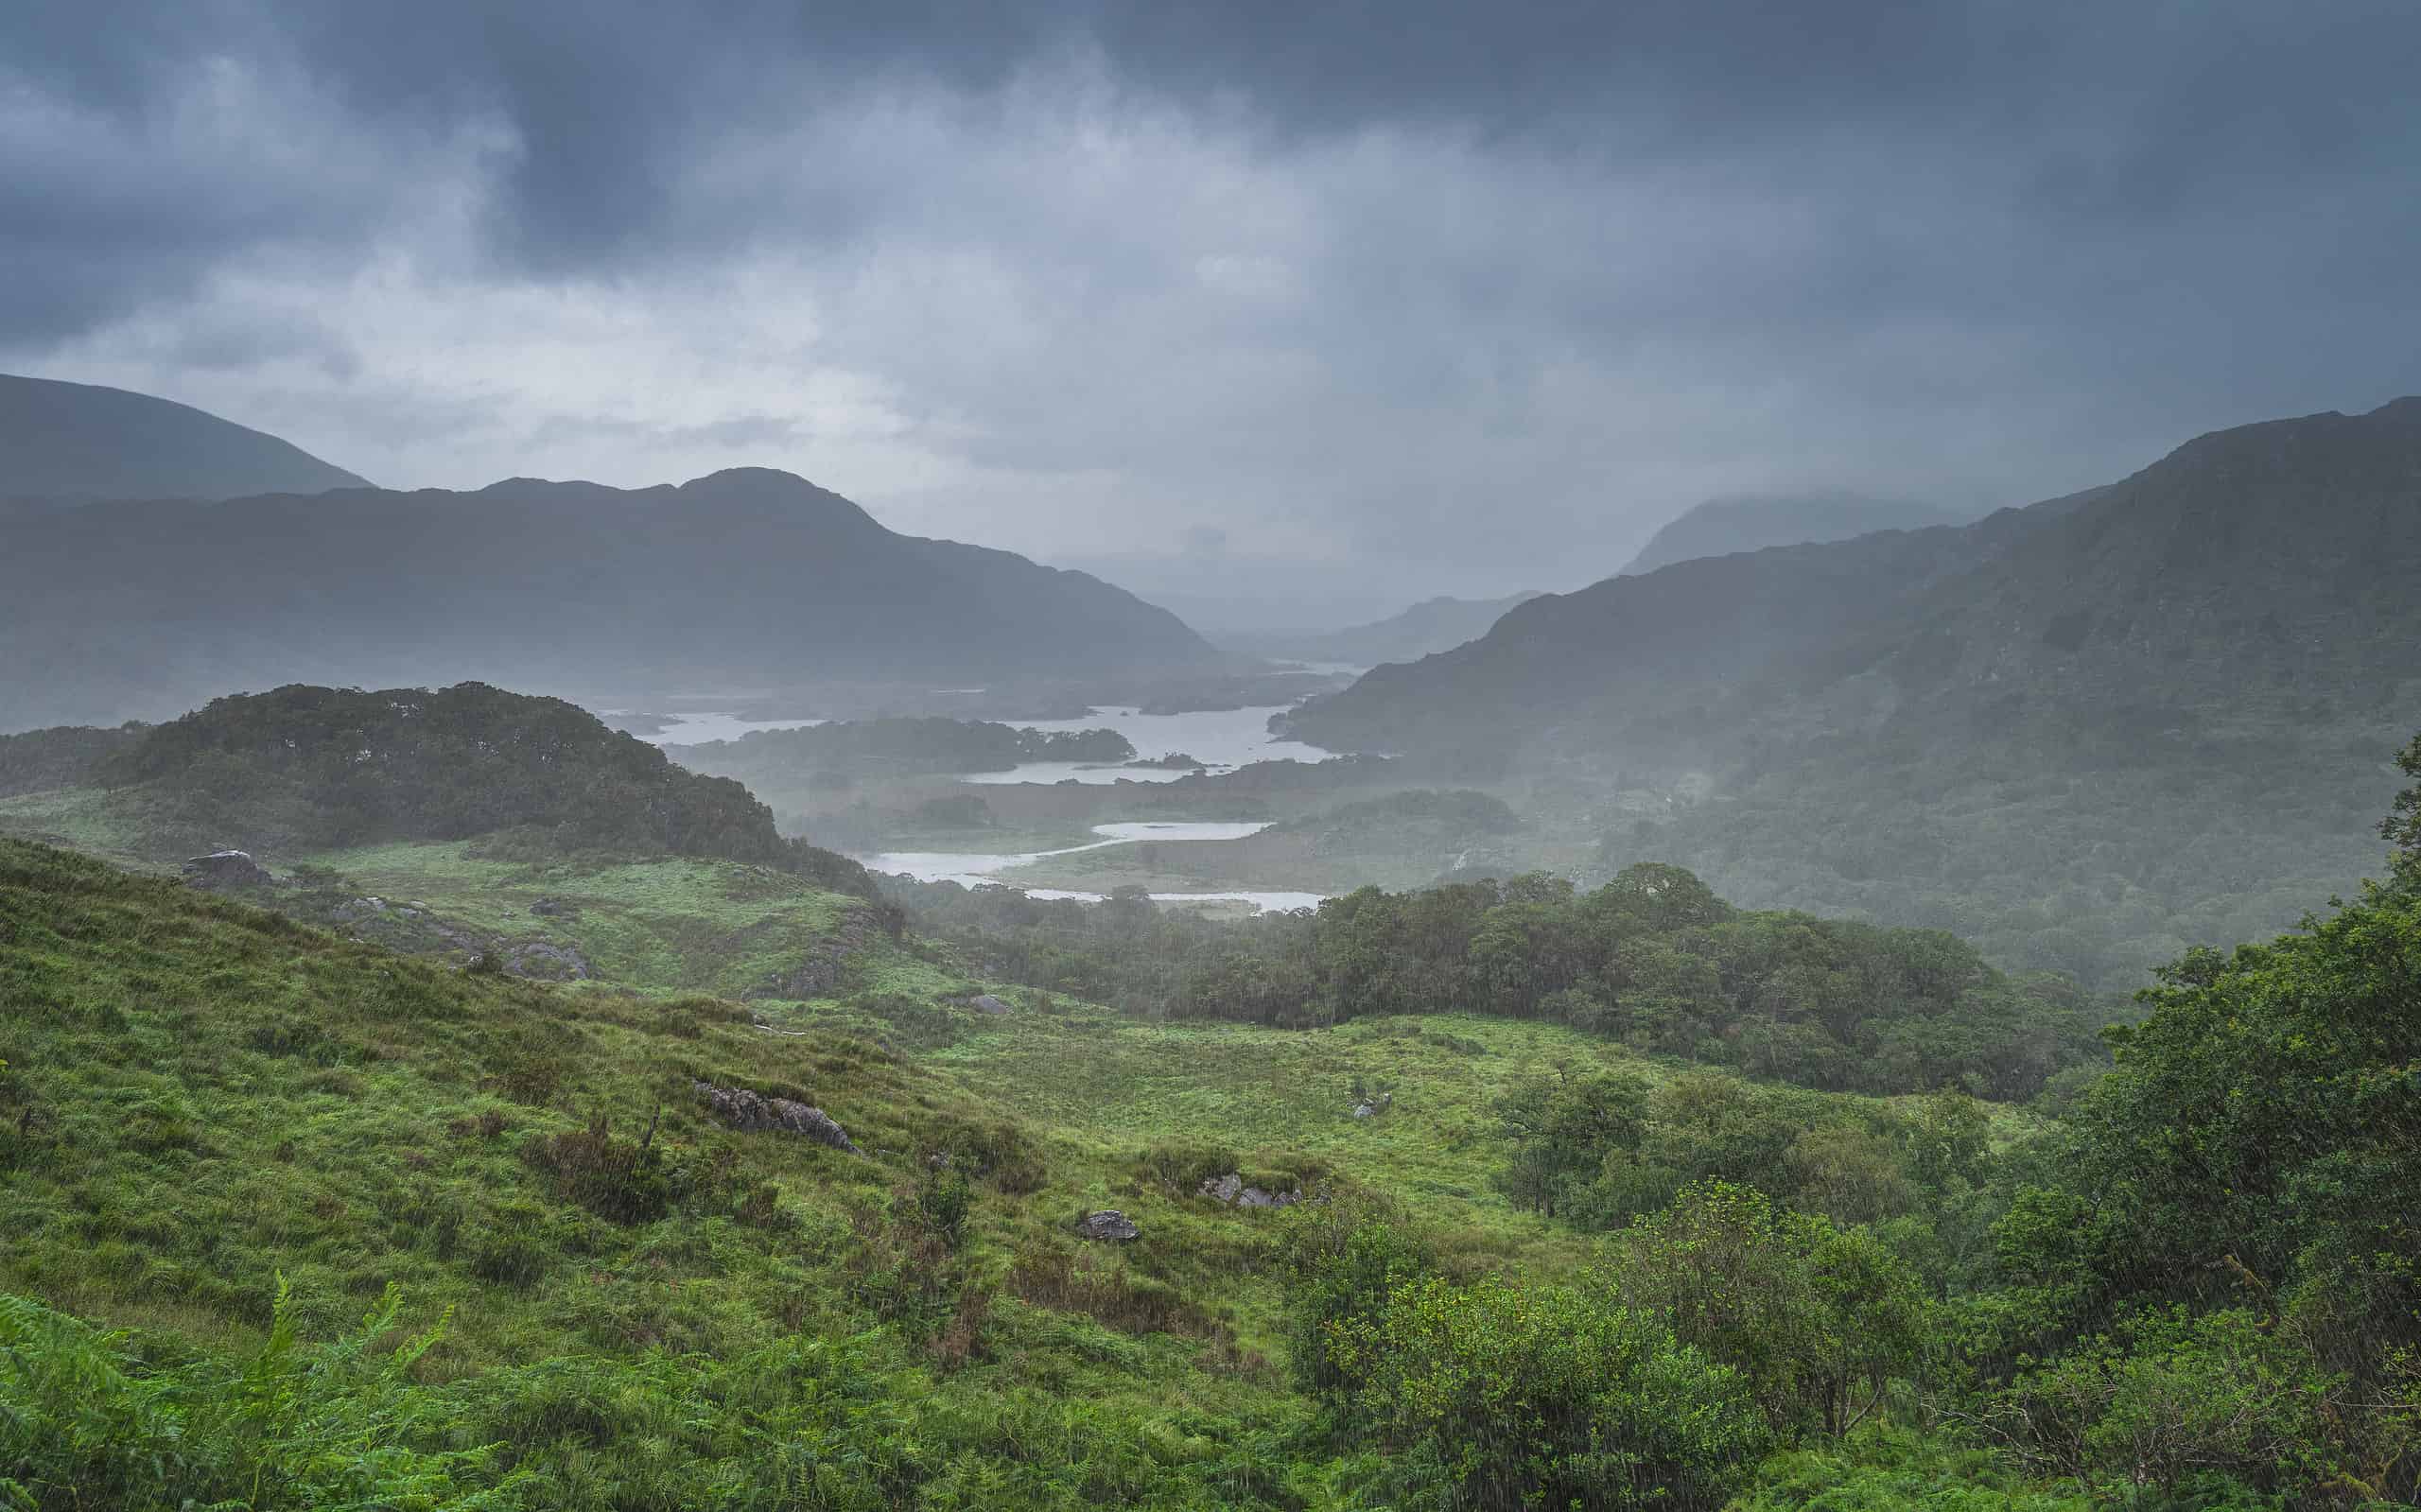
{"x": 1108, "y": 1223}
{"x": 549, "y": 962}
{"x": 1231, "y": 1189}
{"x": 224, "y": 869}
{"x": 1364, "y": 1110}
{"x": 753, "y": 1112}
{"x": 554, "y": 908}
{"x": 985, "y": 1003}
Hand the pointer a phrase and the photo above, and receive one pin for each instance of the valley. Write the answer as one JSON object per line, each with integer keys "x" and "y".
{"x": 1697, "y": 1016}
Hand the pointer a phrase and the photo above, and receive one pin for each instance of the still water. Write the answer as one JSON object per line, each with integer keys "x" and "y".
{"x": 1220, "y": 740}
{"x": 976, "y": 868}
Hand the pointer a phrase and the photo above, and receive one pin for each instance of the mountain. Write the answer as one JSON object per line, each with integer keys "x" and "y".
{"x": 2088, "y": 733}
{"x": 69, "y": 442}
{"x": 747, "y": 577}
{"x": 1723, "y": 527}
{"x": 1429, "y": 626}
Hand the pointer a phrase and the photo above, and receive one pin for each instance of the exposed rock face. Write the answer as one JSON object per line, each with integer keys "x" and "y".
{"x": 753, "y": 1112}
{"x": 1108, "y": 1223}
{"x": 224, "y": 869}
{"x": 986, "y": 1003}
{"x": 1231, "y": 1189}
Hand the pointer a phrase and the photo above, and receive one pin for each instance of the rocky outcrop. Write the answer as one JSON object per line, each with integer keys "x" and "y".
{"x": 224, "y": 869}
{"x": 984, "y": 1002}
{"x": 1108, "y": 1223}
{"x": 1231, "y": 1189}
{"x": 546, "y": 962}
{"x": 753, "y": 1112}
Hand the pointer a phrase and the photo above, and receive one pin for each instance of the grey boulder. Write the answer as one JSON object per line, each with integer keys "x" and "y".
{"x": 1108, "y": 1223}
{"x": 226, "y": 868}
{"x": 753, "y": 1112}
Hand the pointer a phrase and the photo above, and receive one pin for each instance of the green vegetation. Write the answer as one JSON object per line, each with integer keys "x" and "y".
{"x": 292, "y": 1220}
{"x": 793, "y": 768}
{"x": 1653, "y": 958}
{"x": 2084, "y": 736}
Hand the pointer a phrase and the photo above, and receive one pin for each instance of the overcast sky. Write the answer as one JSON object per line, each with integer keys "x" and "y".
{"x": 1443, "y": 298}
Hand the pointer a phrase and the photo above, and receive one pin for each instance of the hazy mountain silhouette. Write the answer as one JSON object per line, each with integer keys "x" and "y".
{"x": 2290, "y": 549}
{"x": 76, "y": 442}
{"x": 1722, "y": 527}
{"x": 1430, "y": 626}
{"x": 2089, "y": 732}
{"x": 744, "y": 578}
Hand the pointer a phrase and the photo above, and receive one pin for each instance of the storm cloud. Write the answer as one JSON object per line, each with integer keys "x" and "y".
{"x": 1470, "y": 298}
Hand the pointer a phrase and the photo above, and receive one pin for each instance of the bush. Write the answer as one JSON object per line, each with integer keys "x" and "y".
{"x": 1523, "y": 1396}
{"x": 613, "y": 1178}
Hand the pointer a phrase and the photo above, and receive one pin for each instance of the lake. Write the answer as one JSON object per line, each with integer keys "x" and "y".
{"x": 977, "y": 868}
{"x": 1221, "y": 739}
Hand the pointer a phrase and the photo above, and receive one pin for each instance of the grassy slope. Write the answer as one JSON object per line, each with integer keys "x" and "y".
{"x": 213, "y": 1095}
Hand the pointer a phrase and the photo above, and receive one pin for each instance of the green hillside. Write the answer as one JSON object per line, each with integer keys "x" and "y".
{"x": 294, "y": 1220}
{"x": 2085, "y": 735}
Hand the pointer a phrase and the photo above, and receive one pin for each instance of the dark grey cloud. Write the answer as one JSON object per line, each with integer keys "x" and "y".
{"x": 1478, "y": 294}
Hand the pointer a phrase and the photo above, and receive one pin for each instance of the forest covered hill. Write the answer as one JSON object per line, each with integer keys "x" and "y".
{"x": 76, "y": 443}
{"x": 2085, "y": 734}
{"x": 140, "y": 610}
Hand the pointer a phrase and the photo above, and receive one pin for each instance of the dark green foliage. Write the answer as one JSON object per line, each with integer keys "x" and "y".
{"x": 2190, "y": 1406}
{"x": 1653, "y": 958}
{"x": 1499, "y": 1394}
{"x": 62, "y": 757}
{"x": 618, "y": 1179}
{"x": 85, "y": 1423}
{"x": 1349, "y": 1257}
{"x": 1818, "y": 1320}
{"x": 317, "y": 767}
{"x": 852, "y": 750}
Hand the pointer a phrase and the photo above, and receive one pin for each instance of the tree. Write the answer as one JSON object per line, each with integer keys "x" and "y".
{"x": 1563, "y": 1130}
{"x": 1517, "y": 1395}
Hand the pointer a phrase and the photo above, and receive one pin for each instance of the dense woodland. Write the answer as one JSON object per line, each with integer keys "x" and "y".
{"x": 1653, "y": 960}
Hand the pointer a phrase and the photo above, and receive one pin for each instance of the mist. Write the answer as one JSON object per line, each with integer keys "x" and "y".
{"x": 1293, "y": 758}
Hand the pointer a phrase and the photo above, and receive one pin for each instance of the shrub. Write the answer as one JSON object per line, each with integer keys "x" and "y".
{"x": 1523, "y": 1396}
{"x": 614, "y": 1178}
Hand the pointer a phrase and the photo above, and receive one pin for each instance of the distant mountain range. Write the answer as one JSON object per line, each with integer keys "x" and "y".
{"x": 1722, "y": 526}
{"x": 2108, "y": 710}
{"x": 1430, "y": 626}
{"x": 73, "y": 442}
{"x": 744, "y": 578}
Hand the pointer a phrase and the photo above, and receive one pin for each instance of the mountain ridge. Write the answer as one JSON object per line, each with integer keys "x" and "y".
{"x": 747, "y": 574}
{"x": 1725, "y": 527}
{"x": 80, "y": 442}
